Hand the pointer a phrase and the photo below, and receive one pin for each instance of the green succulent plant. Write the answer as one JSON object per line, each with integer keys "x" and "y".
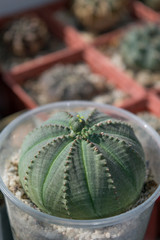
{"x": 83, "y": 165}
{"x": 140, "y": 47}
{"x": 99, "y": 15}
{"x": 155, "y": 4}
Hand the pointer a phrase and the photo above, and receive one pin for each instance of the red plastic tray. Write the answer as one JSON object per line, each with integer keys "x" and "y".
{"x": 145, "y": 13}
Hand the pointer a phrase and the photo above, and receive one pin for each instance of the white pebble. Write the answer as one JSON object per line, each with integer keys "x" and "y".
{"x": 108, "y": 235}
{"x": 18, "y": 194}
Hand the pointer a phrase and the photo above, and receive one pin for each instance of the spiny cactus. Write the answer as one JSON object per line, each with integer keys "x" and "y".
{"x": 99, "y": 15}
{"x": 140, "y": 47}
{"x": 83, "y": 165}
{"x": 26, "y": 36}
{"x": 155, "y": 4}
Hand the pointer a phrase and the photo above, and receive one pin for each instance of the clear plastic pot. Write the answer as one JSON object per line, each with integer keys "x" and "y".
{"x": 28, "y": 223}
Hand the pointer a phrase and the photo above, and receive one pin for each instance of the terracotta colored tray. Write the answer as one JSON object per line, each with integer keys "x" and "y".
{"x": 145, "y": 13}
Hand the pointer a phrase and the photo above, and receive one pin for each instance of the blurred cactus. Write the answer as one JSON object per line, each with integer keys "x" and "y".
{"x": 26, "y": 36}
{"x": 155, "y": 4}
{"x": 140, "y": 47}
{"x": 83, "y": 165}
{"x": 98, "y": 15}
{"x": 69, "y": 82}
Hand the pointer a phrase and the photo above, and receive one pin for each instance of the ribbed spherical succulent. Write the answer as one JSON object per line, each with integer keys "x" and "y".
{"x": 155, "y": 4}
{"x": 26, "y": 36}
{"x": 140, "y": 47}
{"x": 99, "y": 15}
{"x": 83, "y": 165}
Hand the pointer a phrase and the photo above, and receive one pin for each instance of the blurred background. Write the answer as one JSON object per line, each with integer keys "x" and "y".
{"x": 105, "y": 51}
{"x": 9, "y": 7}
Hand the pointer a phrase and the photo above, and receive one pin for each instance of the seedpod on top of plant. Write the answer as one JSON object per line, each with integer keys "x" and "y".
{"x": 79, "y": 156}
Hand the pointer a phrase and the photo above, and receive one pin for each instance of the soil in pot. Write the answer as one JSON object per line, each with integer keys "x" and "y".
{"x": 72, "y": 82}
{"x": 26, "y": 38}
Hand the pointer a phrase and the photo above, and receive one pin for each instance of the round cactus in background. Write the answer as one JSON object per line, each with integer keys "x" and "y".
{"x": 84, "y": 165}
{"x": 64, "y": 82}
{"x": 140, "y": 47}
{"x": 26, "y": 36}
{"x": 99, "y": 15}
